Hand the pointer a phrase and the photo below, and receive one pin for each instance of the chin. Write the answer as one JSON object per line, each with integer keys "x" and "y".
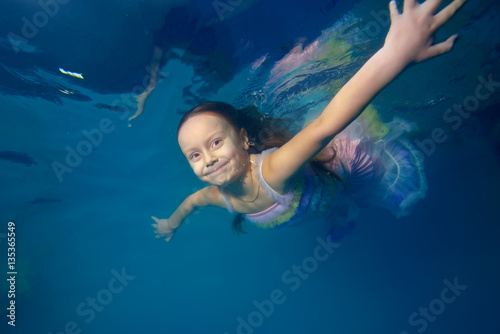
{"x": 221, "y": 183}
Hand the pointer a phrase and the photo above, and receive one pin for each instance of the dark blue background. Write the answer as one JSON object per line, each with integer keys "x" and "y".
{"x": 71, "y": 235}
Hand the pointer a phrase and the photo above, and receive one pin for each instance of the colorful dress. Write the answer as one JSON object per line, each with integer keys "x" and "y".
{"x": 386, "y": 172}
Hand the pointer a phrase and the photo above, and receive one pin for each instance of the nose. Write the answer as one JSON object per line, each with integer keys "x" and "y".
{"x": 211, "y": 161}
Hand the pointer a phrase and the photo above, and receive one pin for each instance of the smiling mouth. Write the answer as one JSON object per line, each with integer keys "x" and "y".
{"x": 217, "y": 170}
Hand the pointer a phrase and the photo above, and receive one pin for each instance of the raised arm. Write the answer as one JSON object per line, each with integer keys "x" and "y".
{"x": 166, "y": 228}
{"x": 409, "y": 40}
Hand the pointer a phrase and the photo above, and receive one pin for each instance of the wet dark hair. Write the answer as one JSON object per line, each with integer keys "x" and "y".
{"x": 263, "y": 132}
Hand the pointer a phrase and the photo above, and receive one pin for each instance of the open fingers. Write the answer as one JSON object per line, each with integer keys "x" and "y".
{"x": 447, "y": 12}
{"x": 431, "y": 6}
{"x": 393, "y": 8}
{"x": 409, "y": 4}
{"x": 439, "y": 49}
{"x": 155, "y": 219}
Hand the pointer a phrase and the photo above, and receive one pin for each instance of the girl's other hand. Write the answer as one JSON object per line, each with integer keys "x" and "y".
{"x": 163, "y": 229}
{"x": 411, "y": 32}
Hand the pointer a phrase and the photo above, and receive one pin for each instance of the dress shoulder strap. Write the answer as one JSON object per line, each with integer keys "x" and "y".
{"x": 282, "y": 199}
{"x": 275, "y": 196}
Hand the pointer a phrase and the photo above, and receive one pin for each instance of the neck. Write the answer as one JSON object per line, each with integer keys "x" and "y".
{"x": 244, "y": 185}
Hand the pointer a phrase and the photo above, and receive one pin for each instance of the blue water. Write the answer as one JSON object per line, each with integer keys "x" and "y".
{"x": 86, "y": 257}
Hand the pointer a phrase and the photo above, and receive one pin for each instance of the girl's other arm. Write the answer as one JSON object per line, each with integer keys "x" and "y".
{"x": 409, "y": 40}
{"x": 204, "y": 197}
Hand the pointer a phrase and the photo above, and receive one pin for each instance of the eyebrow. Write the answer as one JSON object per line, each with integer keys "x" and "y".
{"x": 210, "y": 136}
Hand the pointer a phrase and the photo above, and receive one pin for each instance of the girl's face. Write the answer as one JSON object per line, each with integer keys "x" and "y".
{"x": 215, "y": 150}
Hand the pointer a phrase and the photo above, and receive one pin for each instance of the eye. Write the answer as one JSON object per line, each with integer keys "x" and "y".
{"x": 216, "y": 143}
{"x": 194, "y": 156}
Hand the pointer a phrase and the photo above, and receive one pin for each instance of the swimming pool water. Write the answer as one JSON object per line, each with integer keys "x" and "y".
{"x": 81, "y": 181}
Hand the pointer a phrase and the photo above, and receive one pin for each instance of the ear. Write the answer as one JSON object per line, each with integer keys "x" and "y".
{"x": 244, "y": 139}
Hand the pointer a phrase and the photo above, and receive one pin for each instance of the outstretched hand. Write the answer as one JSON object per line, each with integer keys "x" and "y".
{"x": 163, "y": 229}
{"x": 411, "y": 32}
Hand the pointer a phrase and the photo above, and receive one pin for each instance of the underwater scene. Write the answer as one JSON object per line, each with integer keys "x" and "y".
{"x": 91, "y": 96}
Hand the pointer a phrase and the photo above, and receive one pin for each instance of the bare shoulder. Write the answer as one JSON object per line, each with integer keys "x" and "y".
{"x": 272, "y": 176}
{"x": 211, "y": 195}
{"x": 280, "y": 167}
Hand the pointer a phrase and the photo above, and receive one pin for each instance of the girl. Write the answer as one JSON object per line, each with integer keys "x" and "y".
{"x": 303, "y": 173}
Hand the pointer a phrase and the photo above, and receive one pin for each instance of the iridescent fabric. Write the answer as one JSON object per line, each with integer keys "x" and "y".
{"x": 386, "y": 172}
